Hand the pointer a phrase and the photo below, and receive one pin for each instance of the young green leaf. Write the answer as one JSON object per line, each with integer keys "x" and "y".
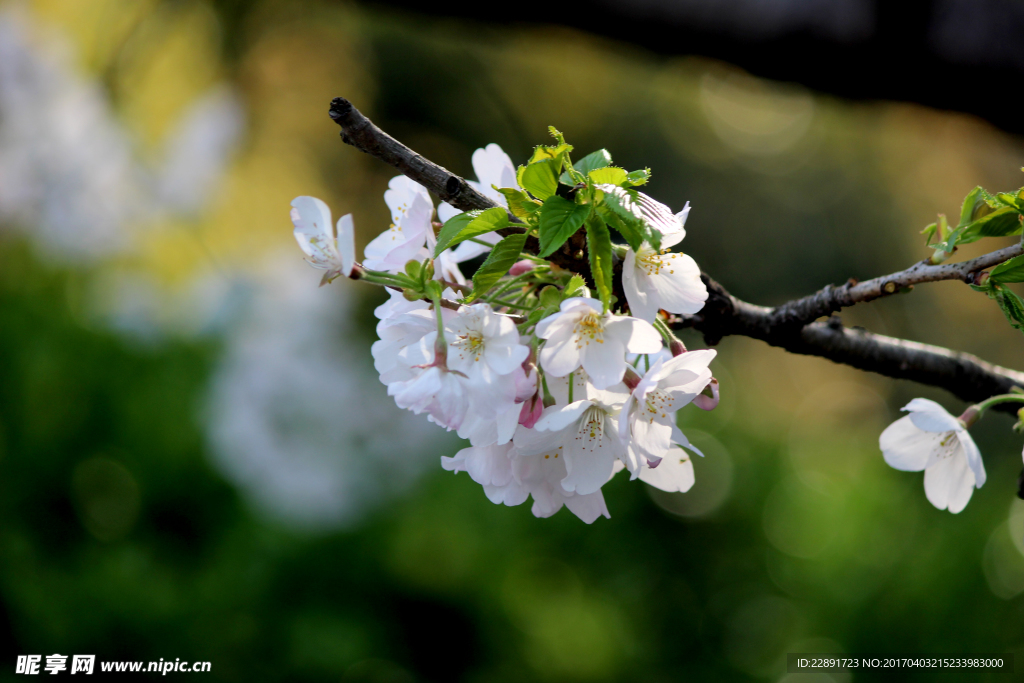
{"x": 631, "y": 230}
{"x": 612, "y": 175}
{"x": 1000, "y": 223}
{"x": 575, "y": 287}
{"x": 559, "y": 219}
{"x": 599, "y": 244}
{"x": 1012, "y": 307}
{"x": 544, "y": 152}
{"x": 638, "y": 178}
{"x": 971, "y": 203}
{"x": 461, "y": 227}
{"x": 504, "y": 254}
{"x": 598, "y": 159}
{"x": 540, "y": 178}
{"x": 520, "y": 203}
{"x": 1008, "y": 271}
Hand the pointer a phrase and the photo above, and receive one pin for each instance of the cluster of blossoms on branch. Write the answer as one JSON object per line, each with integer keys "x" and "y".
{"x": 556, "y": 380}
{"x": 553, "y": 384}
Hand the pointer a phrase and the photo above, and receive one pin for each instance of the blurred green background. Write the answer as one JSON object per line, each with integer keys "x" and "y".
{"x": 197, "y": 460}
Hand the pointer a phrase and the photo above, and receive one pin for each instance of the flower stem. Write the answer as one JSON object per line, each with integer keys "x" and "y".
{"x": 571, "y": 382}
{"x": 996, "y": 400}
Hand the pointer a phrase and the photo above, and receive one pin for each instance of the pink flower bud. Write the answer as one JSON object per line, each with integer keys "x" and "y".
{"x": 706, "y": 402}
{"x": 531, "y": 412}
{"x": 520, "y": 267}
{"x": 631, "y": 378}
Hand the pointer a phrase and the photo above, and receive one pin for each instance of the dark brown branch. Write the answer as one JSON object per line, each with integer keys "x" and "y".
{"x": 361, "y": 133}
{"x": 963, "y": 375}
{"x": 789, "y": 326}
{"x": 832, "y": 299}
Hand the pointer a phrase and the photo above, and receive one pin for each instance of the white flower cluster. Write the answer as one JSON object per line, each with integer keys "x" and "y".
{"x": 541, "y": 385}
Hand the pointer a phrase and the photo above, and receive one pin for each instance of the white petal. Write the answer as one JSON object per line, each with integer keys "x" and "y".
{"x": 446, "y": 212}
{"x": 673, "y": 473}
{"x": 590, "y": 462}
{"x": 948, "y": 484}
{"x": 605, "y": 362}
{"x": 973, "y": 456}
{"x": 637, "y": 335}
{"x": 907, "y": 448}
{"x": 559, "y": 356}
{"x": 639, "y": 302}
{"x": 588, "y": 507}
{"x": 347, "y": 244}
{"x": 557, "y": 418}
{"x": 677, "y": 287}
{"x": 931, "y": 417}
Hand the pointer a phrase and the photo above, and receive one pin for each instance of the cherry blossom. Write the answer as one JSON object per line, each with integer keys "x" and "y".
{"x": 584, "y": 435}
{"x": 654, "y": 280}
{"x": 931, "y": 439}
{"x": 648, "y": 420}
{"x": 411, "y": 212}
{"x": 580, "y": 334}
{"x": 493, "y": 168}
{"x": 327, "y": 247}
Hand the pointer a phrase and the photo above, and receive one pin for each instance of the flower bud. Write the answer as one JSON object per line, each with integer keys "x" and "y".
{"x": 631, "y": 378}
{"x": 708, "y": 399}
{"x": 677, "y": 348}
{"x": 520, "y": 267}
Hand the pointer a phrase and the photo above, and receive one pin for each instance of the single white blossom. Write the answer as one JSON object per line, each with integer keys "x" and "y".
{"x": 666, "y": 280}
{"x": 580, "y": 334}
{"x": 482, "y": 341}
{"x": 931, "y": 439}
{"x": 648, "y": 420}
{"x": 584, "y": 434}
{"x": 327, "y": 247}
{"x": 411, "y": 212}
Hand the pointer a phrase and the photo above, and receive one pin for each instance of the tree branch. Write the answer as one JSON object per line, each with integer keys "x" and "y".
{"x": 361, "y": 133}
{"x": 963, "y": 375}
{"x": 800, "y": 312}
{"x": 789, "y": 326}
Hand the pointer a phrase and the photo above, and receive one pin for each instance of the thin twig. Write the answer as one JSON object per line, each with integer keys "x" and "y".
{"x": 831, "y": 299}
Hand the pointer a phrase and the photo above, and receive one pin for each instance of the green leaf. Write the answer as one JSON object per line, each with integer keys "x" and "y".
{"x": 637, "y": 178}
{"x": 504, "y": 254}
{"x": 599, "y": 244}
{"x": 540, "y": 178}
{"x": 1012, "y": 307}
{"x": 1000, "y": 223}
{"x": 609, "y": 174}
{"x": 520, "y": 203}
{"x": 929, "y": 232}
{"x": 544, "y": 152}
{"x": 575, "y": 287}
{"x": 470, "y": 224}
{"x": 1008, "y": 271}
{"x": 598, "y": 159}
{"x": 1014, "y": 201}
{"x": 971, "y": 202}
{"x": 559, "y": 219}
{"x": 631, "y": 230}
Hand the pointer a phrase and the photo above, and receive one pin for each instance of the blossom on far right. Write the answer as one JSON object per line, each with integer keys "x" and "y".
{"x": 582, "y": 334}
{"x": 654, "y": 280}
{"x": 931, "y": 439}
